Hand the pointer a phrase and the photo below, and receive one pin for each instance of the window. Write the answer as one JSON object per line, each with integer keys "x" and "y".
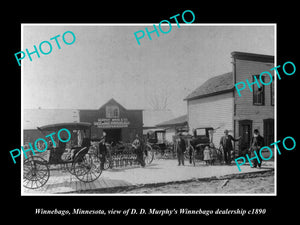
{"x": 258, "y": 92}
{"x": 272, "y": 93}
{"x": 116, "y": 113}
{"x": 200, "y": 132}
{"x": 112, "y": 112}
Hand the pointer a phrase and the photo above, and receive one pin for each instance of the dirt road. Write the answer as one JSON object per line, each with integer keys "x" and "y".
{"x": 259, "y": 183}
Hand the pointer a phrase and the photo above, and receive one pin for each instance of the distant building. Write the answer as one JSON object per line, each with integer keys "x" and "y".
{"x": 153, "y": 117}
{"x": 172, "y": 126}
{"x": 119, "y": 123}
{"x": 216, "y": 102}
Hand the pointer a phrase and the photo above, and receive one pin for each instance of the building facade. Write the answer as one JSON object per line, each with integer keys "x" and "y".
{"x": 211, "y": 105}
{"x": 119, "y": 123}
{"x": 217, "y": 104}
{"x": 253, "y": 110}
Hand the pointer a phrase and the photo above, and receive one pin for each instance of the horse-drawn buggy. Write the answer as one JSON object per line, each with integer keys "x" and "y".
{"x": 158, "y": 145}
{"x": 196, "y": 143}
{"x": 76, "y": 156}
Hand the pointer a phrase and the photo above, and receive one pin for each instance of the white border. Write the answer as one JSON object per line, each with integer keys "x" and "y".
{"x": 151, "y": 24}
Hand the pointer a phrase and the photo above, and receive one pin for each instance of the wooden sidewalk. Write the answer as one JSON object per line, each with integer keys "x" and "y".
{"x": 68, "y": 183}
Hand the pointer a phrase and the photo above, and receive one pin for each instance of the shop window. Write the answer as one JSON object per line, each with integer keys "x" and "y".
{"x": 258, "y": 92}
{"x": 112, "y": 112}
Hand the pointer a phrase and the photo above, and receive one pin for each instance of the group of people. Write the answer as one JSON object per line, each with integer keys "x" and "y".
{"x": 210, "y": 153}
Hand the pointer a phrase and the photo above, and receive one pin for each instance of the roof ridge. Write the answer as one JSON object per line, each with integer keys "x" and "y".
{"x": 214, "y": 85}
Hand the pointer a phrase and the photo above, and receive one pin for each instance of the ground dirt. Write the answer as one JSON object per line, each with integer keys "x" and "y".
{"x": 258, "y": 183}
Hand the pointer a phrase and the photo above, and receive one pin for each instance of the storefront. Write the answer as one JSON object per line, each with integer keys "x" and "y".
{"x": 120, "y": 124}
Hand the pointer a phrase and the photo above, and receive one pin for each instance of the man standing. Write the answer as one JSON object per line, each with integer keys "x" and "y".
{"x": 181, "y": 147}
{"x": 226, "y": 143}
{"x": 257, "y": 142}
{"x": 138, "y": 146}
{"x": 102, "y": 150}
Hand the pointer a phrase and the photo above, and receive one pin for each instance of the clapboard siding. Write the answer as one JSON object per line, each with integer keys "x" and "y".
{"x": 214, "y": 111}
{"x": 244, "y": 104}
{"x": 228, "y": 110}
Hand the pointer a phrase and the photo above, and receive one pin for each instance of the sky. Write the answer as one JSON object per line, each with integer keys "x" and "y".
{"x": 105, "y": 62}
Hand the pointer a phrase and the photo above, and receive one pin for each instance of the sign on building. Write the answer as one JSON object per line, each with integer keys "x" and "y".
{"x": 112, "y": 123}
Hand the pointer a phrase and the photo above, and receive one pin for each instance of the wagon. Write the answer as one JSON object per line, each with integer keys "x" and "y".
{"x": 157, "y": 145}
{"x": 76, "y": 156}
{"x": 196, "y": 143}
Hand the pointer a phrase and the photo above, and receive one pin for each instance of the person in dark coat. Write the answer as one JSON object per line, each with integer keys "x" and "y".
{"x": 181, "y": 147}
{"x": 103, "y": 150}
{"x": 139, "y": 148}
{"x": 226, "y": 143}
{"x": 256, "y": 143}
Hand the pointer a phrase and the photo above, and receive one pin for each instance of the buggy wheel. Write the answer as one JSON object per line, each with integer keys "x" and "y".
{"x": 87, "y": 168}
{"x": 107, "y": 164}
{"x": 69, "y": 168}
{"x": 187, "y": 155}
{"x": 190, "y": 152}
{"x": 150, "y": 154}
{"x": 219, "y": 155}
{"x": 35, "y": 172}
{"x": 193, "y": 155}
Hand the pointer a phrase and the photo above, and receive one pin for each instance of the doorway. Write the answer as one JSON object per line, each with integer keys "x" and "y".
{"x": 268, "y": 131}
{"x": 245, "y": 131}
{"x": 113, "y": 135}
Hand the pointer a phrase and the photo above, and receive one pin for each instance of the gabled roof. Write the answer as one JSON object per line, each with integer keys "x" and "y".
{"x": 181, "y": 120}
{"x": 215, "y": 85}
{"x": 112, "y": 102}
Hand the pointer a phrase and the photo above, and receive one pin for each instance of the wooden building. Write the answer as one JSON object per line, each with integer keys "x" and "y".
{"x": 253, "y": 110}
{"x": 217, "y": 104}
{"x": 119, "y": 123}
{"x": 172, "y": 126}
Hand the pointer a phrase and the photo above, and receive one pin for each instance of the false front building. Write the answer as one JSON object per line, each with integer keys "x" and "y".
{"x": 217, "y": 104}
{"x": 118, "y": 123}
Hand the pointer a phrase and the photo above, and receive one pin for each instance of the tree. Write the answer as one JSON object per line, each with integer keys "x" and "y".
{"x": 158, "y": 101}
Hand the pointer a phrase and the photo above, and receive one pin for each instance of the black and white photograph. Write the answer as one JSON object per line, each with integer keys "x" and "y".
{"x": 148, "y": 114}
{"x": 148, "y": 109}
